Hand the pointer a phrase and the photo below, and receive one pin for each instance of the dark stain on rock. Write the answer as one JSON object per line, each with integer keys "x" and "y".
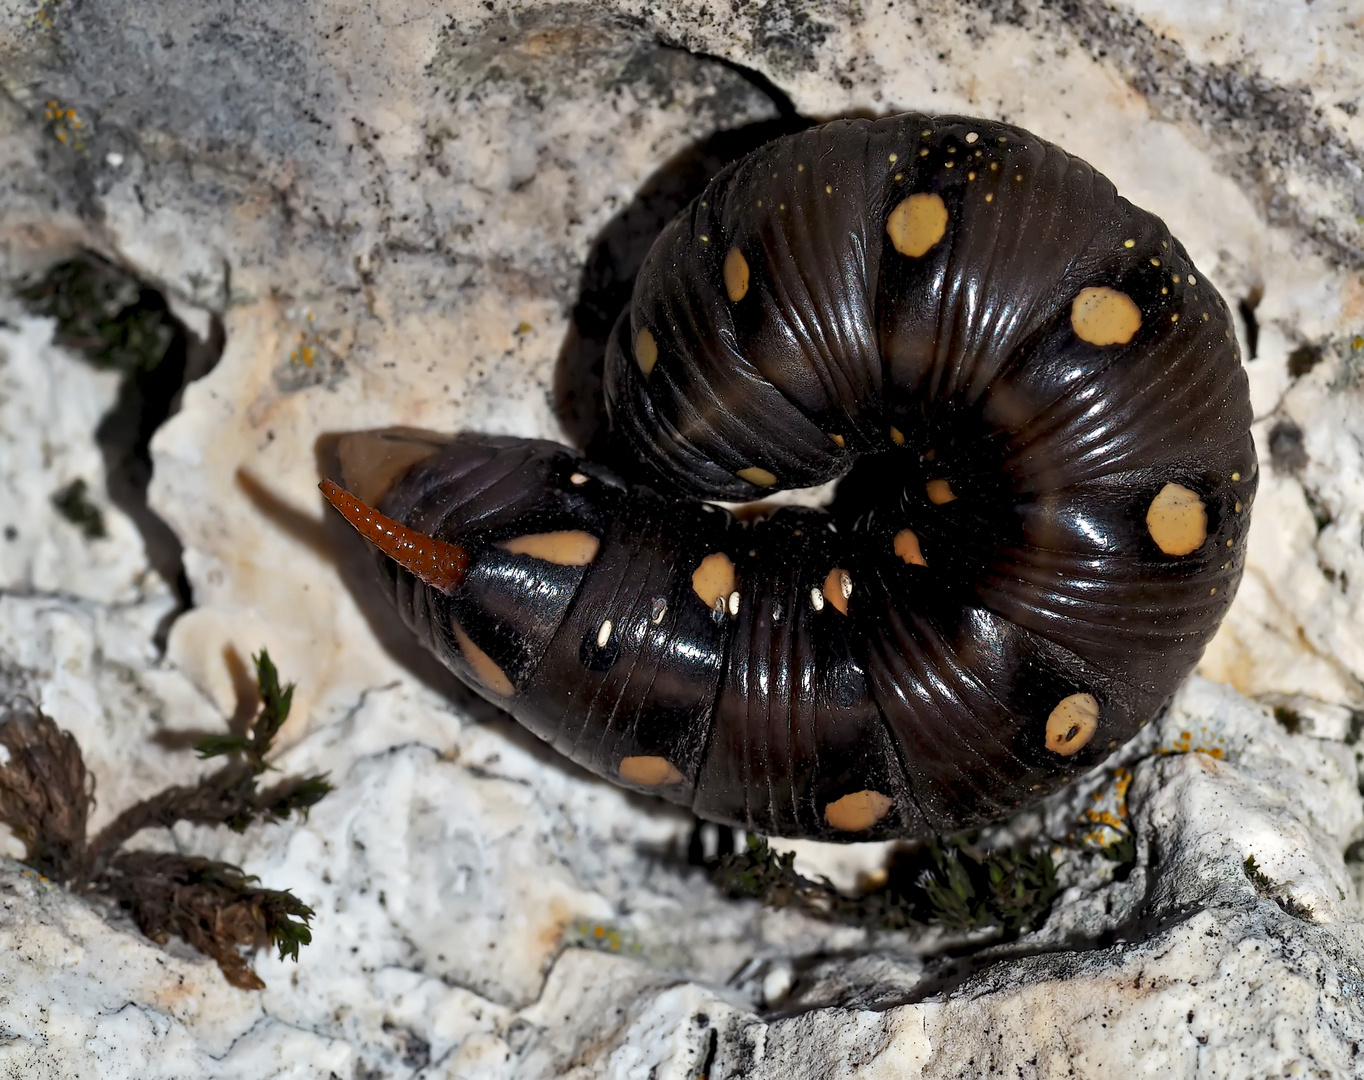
{"x": 1260, "y": 130}
{"x": 1286, "y": 448}
{"x": 1303, "y": 359}
{"x": 1246, "y": 308}
{"x": 567, "y": 51}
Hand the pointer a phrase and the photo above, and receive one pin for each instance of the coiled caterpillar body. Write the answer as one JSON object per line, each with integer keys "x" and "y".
{"x": 1039, "y": 407}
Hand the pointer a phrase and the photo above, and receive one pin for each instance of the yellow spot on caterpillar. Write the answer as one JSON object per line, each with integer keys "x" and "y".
{"x": 485, "y": 669}
{"x": 1174, "y": 278}
{"x": 705, "y": 239}
{"x": 1235, "y": 476}
{"x": 604, "y": 633}
{"x": 971, "y": 136}
{"x": 714, "y": 578}
{"x": 1129, "y": 243}
{"x": 923, "y": 153}
{"x": 970, "y": 176}
{"x": 1177, "y": 520}
{"x": 756, "y": 475}
{"x": 800, "y": 168}
{"x": 990, "y": 197}
{"x": 646, "y": 351}
{"x": 859, "y": 811}
{"x": 894, "y": 158}
{"x": 907, "y": 547}
{"x": 994, "y": 166}
{"x": 917, "y": 224}
{"x": 838, "y": 441}
{"x": 736, "y": 275}
{"x": 577, "y": 479}
{"x": 1104, "y": 316}
{"x": 1072, "y": 724}
{"x": 1193, "y": 280}
{"x": 649, "y": 771}
{"x": 939, "y": 492}
{"x": 838, "y": 589}
{"x": 828, "y": 189}
{"x": 1155, "y": 262}
{"x": 567, "y": 547}
{"x": 1175, "y": 317}
{"x": 951, "y": 164}
{"x": 897, "y": 436}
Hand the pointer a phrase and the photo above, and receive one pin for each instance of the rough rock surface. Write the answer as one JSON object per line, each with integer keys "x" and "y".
{"x": 419, "y": 214}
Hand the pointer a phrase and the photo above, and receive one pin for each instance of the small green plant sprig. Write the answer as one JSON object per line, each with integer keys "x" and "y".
{"x": 1267, "y": 888}
{"x": 46, "y": 795}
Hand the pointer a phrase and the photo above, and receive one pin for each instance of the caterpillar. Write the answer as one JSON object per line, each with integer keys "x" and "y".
{"x": 1036, "y": 405}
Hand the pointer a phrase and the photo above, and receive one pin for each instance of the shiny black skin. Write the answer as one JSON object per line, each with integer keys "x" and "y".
{"x": 1042, "y": 578}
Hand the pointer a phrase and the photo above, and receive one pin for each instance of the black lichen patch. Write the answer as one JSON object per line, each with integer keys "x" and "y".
{"x": 789, "y": 36}
{"x": 950, "y": 883}
{"x": 45, "y": 798}
{"x": 73, "y": 503}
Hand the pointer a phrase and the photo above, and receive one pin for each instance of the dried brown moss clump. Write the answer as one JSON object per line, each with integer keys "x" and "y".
{"x": 45, "y": 798}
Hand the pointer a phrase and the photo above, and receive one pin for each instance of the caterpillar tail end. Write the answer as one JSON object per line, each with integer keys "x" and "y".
{"x": 440, "y": 564}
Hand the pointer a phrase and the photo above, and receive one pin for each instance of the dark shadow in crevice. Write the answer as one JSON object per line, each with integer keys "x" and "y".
{"x": 116, "y": 321}
{"x": 1246, "y": 308}
{"x": 146, "y": 400}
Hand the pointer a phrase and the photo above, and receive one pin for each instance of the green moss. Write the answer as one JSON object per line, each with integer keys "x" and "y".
{"x": 950, "y": 883}
{"x": 1122, "y": 851}
{"x": 73, "y": 503}
{"x": 104, "y": 313}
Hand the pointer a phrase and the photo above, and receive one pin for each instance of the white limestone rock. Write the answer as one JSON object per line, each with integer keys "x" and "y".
{"x": 390, "y": 207}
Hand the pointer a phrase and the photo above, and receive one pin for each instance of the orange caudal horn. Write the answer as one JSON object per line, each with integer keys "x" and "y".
{"x": 436, "y": 562}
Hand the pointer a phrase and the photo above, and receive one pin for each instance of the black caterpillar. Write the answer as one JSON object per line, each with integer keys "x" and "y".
{"x": 1044, "y": 527}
